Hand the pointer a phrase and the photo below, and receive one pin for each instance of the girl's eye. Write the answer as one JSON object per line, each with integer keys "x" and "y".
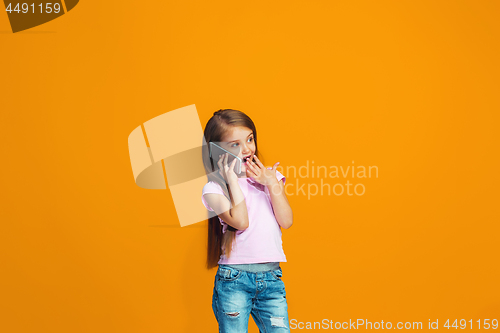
{"x": 237, "y": 144}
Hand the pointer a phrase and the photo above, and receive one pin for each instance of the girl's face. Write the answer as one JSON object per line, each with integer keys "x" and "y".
{"x": 240, "y": 141}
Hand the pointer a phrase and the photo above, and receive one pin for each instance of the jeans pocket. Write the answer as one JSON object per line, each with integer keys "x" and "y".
{"x": 277, "y": 274}
{"x": 228, "y": 273}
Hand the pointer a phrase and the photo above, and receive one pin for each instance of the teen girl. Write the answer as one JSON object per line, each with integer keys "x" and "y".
{"x": 244, "y": 240}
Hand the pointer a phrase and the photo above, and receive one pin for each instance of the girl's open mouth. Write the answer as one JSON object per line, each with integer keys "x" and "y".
{"x": 246, "y": 158}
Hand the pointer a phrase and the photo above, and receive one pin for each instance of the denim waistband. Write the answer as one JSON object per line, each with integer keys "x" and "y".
{"x": 255, "y": 268}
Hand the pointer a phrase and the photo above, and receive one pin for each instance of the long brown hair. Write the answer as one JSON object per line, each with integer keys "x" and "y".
{"x": 216, "y": 127}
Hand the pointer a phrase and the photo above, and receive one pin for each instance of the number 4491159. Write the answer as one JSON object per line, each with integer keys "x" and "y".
{"x": 462, "y": 324}
{"x": 31, "y": 8}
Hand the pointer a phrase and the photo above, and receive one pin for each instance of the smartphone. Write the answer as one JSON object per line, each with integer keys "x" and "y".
{"x": 216, "y": 150}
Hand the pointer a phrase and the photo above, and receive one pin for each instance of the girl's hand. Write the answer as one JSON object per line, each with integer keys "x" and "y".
{"x": 227, "y": 172}
{"x": 260, "y": 173}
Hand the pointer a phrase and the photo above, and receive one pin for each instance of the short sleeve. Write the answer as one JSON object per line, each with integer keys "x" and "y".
{"x": 213, "y": 187}
{"x": 279, "y": 176}
{"x": 210, "y": 187}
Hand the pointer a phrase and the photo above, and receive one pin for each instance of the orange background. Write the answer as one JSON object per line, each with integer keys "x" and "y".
{"x": 410, "y": 87}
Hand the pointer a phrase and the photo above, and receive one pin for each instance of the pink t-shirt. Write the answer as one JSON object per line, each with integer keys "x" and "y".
{"x": 261, "y": 241}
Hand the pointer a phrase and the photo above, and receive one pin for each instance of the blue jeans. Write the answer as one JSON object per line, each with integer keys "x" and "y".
{"x": 237, "y": 294}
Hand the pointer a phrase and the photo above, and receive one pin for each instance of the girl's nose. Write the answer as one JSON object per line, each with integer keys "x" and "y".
{"x": 245, "y": 151}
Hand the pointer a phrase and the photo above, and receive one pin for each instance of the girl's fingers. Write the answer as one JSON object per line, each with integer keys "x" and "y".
{"x": 252, "y": 167}
{"x": 225, "y": 160}
{"x": 275, "y": 166}
{"x": 233, "y": 163}
{"x": 221, "y": 167}
{"x": 259, "y": 163}
{"x": 219, "y": 163}
{"x": 251, "y": 173}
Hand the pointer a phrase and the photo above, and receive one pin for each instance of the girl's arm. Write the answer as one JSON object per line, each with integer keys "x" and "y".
{"x": 281, "y": 206}
{"x": 237, "y": 216}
